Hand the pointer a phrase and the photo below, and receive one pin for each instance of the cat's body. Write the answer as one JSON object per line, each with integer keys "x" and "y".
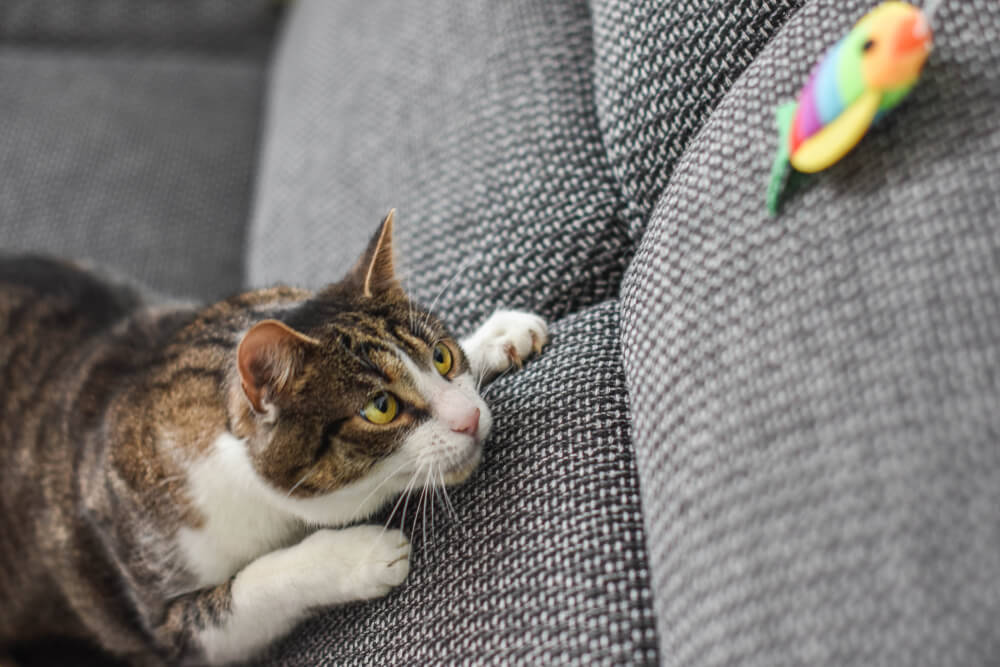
{"x": 163, "y": 471}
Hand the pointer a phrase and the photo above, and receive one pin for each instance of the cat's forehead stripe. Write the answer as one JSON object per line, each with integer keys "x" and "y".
{"x": 413, "y": 343}
{"x": 426, "y": 382}
{"x": 362, "y": 340}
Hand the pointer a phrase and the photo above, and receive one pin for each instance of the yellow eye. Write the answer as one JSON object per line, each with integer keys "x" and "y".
{"x": 382, "y": 409}
{"x": 442, "y": 358}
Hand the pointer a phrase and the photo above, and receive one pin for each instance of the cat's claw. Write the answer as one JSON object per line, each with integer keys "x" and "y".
{"x": 506, "y": 339}
{"x": 389, "y": 562}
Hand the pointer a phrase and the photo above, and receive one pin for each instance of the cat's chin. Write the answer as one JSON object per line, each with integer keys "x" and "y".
{"x": 462, "y": 469}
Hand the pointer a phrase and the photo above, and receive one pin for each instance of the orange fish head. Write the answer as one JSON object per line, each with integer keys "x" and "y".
{"x": 899, "y": 41}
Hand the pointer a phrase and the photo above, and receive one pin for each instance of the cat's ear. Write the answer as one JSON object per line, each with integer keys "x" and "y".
{"x": 375, "y": 272}
{"x": 268, "y": 358}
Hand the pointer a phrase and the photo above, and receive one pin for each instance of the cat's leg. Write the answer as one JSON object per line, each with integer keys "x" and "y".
{"x": 506, "y": 339}
{"x": 236, "y": 620}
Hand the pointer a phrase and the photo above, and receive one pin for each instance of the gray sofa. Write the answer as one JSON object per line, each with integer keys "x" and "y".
{"x": 752, "y": 441}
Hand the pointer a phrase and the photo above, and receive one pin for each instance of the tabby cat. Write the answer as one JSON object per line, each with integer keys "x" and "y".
{"x": 175, "y": 482}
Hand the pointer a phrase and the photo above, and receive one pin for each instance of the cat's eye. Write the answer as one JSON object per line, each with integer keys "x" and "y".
{"x": 381, "y": 409}
{"x": 442, "y": 358}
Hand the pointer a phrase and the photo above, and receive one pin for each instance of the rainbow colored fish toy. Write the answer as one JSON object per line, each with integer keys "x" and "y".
{"x": 860, "y": 79}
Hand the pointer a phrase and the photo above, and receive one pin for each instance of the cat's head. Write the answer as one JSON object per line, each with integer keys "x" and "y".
{"x": 352, "y": 395}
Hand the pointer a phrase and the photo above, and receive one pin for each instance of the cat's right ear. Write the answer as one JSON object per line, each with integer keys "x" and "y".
{"x": 268, "y": 358}
{"x": 375, "y": 272}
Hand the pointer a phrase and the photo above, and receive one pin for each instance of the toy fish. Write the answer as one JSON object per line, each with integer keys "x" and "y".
{"x": 860, "y": 79}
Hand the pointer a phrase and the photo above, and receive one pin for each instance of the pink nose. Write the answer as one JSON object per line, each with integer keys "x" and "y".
{"x": 467, "y": 423}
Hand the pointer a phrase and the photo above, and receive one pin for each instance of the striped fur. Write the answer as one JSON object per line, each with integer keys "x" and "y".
{"x": 157, "y": 498}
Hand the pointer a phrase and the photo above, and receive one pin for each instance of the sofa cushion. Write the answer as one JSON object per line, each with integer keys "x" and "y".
{"x": 660, "y": 68}
{"x": 544, "y": 562}
{"x": 475, "y": 119}
{"x": 815, "y": 396}
{"x": 132, "y": 160}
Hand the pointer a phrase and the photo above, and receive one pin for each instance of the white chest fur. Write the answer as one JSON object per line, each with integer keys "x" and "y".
{"x": 240, "y": 523}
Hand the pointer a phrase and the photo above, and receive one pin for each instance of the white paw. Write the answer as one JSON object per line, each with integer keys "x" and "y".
{"x": 366, "y": 561}
{"x": 506, "y": 339}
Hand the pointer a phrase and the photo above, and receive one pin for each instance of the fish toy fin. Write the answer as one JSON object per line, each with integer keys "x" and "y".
{"x": 779, "y": 170}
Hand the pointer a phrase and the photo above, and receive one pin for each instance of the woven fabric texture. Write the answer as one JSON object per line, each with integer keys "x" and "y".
{"x": 476, "y": 120}
{"x": 815, "y": 397}
{"x": 543, "y": 563}
{"x": 660, "y": 69}
{"x": 137, "y": 161}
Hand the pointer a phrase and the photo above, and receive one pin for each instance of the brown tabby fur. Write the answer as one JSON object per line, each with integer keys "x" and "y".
{"x": 102, "y": 402}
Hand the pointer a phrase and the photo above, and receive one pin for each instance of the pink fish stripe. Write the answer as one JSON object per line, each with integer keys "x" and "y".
{"x": 807, "y": 119}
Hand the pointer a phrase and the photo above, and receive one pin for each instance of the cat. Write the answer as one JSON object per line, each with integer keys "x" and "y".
{"x": 183, "y": 485}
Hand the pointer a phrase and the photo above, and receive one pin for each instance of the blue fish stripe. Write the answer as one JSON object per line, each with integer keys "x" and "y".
{"x": 828, "y": 101}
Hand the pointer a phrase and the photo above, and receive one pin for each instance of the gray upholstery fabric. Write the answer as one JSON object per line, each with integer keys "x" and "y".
{"x": 544, "y": 563}
{"x": 241, "y": 27}
{"x": 815, "y": 397}
{"x": 138, "y": 161}
{"x": 475, "y": 119}
{"x": 661, "y": 67}
{"x": 479, "y": 122}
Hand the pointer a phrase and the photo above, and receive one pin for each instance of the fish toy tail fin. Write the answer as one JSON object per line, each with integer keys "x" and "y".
{"x": 779, "y": 170}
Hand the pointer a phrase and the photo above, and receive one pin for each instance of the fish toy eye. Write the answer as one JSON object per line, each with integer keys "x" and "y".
{"x": 868, "y": 46}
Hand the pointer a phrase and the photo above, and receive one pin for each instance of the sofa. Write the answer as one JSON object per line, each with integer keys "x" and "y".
{"x": 753, "y": 440}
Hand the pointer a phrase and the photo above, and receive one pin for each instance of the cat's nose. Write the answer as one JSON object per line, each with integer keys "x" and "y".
{"x": 456, "y": 411}
{"x": 467, "y": 423}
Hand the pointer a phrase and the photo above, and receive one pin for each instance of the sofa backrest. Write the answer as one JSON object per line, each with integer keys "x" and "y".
{"x": 222, "y": 27}
{"x": 660, "y": 68}
{"x": 815, "y": 400}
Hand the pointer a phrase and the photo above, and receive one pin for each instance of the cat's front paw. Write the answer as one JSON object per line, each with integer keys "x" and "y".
{"x": 367, "y": 561}
{"x": 506, "y": 339}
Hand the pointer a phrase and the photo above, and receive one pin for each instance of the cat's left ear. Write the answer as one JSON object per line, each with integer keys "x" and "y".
{"x": 268, "y": 358}
{"x": 375, "y": 272}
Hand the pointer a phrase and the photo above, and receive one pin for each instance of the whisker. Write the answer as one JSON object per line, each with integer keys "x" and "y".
{"x": 450, "y": 506}
{"x": 422, "y": 495}
{"x": 433, "y": 501}
{"x": 482, "y": 376}
{"x": 416, "y": 512}
{"x": 379, "y": 486}
{"x": 406, "y": 504}
{"x": 447, "y": 500}
{"x": 409, "y": 304}
{"x": 494, "y": 382}
{"x": 299, "y": 483}
{"x": 458, "y": 272}
{"x": 403, "y": 495}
